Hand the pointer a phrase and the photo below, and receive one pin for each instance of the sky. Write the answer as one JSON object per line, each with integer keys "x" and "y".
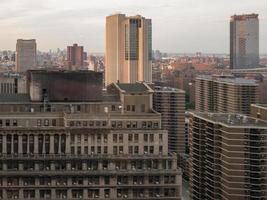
{"x": 179, "y": 26}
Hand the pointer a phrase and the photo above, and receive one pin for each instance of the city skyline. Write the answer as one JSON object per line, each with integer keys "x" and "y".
{"x": 175, "y": 23}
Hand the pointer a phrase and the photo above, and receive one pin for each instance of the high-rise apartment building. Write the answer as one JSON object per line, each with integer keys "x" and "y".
{"x": 225, "y": 94}
{"x": 170, "y": 102}
{"x": 25, "y": 55}
{"x": 227, "y": 157}
{"x": 244, "y": 41}
{"x": 75, "y": 57}
{"x": 128, "y": 55}
{"x": 113, "y": 148}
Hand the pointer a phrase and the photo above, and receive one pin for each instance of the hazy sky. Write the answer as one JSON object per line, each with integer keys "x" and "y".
{"x": 178, "y": 25}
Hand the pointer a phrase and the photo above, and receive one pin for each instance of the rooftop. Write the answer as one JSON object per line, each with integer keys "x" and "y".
{"x": 133, "y": 87}
{"x": 228, "y": 79}
{"x": 232, "y": 120}
{"x": 167, "y": 89}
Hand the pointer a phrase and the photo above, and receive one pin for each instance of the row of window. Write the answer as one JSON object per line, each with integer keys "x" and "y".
{"x": 92, "y": 193}
{"x": 85, "y": 165}
{"x": 91, "y": 180}
{"x": 39, "y": 122}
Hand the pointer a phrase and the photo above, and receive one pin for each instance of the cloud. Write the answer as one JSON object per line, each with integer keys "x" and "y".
{"x": 178, "y": 25}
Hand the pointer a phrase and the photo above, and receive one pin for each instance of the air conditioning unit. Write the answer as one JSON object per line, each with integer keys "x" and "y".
{"x": 135, "y": 183}
{"x": 125, "y": 196}
{"x": 141, "y": 194}
{"x": 119, "y": 194}
{"x": 157, "y": 182}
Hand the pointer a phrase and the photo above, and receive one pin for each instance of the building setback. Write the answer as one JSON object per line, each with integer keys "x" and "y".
{"x": 225, "y": 94}
{"x": 227, "y": 157}
{"x": 170, "y": 102}
{"x": 25, "y": 55}
{"x": 244, "y": 41}
{"x": 128, "y": 57}
{"x": 109, "y": 149}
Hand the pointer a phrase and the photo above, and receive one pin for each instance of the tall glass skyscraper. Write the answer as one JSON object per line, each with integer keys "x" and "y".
{"x": 244, "y": 41}
{"x": 128, "y": 49}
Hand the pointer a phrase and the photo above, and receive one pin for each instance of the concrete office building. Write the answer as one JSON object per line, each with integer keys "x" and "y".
{"x": 170, "y": 102}
{"x": 25, "y": 55}
{"x": 244, "y": 41}
{"x": 227, "y": 157}
{"x": 75, "y": 57}
{"x": 225, "y": 94}
{"x": 128, "y": 57}
{"x": 12, "y": 83}
{"x": 109, "y": 149}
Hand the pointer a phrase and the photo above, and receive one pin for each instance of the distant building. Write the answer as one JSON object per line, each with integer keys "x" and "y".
{"x": 227, "y": 157}
{"x": 25, "y": 55}
{"x": 225, "y": 94}
{"x": 244, "y": 41}
{"x": 170, "y": 102}
{"x": 75, "y": 57}
{"x": 12, "y": 84}
{"x": 128, "y": 49}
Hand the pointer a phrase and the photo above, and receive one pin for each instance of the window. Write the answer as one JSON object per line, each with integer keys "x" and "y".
{"x": 104, "y": 123}
{"x": 130, "y": 137}
{"x": 84, "y": 123}
{"x": 130, "y": 149}
{"x": 79, "y": 151}
{"x": 128, "y": 124}
{"x": 7, "y": 122}
{"x": 133, "y": 108}
{"x": 136, "y": 137}
{"x": 78, "y": 108}
{"x": 151, "y": 137}
{"x": 156, "y": 124}
{"x": 1, "y": 122}
{"x": 91, "y": 123}
{"x": 145, "y": 137}
{"x": 105, "y": 149}
{"x": 97, "y": 123}
{"x": 143, "y": 124}
{"x": 121, "y": 149}
{"x": 85, "y": 150}
{"x": 98, "y": 138}
{"x": 120, "y": 138}
{"x": 79, "y": 138}
{"x": 54, "y": 122}
{"x": 115, "y": 138}
{"x": 92, "y": 150}
{"x": 160, "y": 138}
{"x": 160, "y": 149}
{"x": 145, "y": 149}
{"x": 151, "y": 149}
{"x": 134, "y": 124}
{"x": 15, "y": 122}
{"x": 39, "y": 122}
{"x": 136, "y": 149}
{"x": 46, "y": 122}
{"x": 105, "y": 138}
{"x": 149, "y": 124}
{"x": 115, "y": 150}
{"x": 99, "y": 149}
{"x": 113, "y": 108}
{"x": 128, "y": 107}
{"x": 85, "y": 138}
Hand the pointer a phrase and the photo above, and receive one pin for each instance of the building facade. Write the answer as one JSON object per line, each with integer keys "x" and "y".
{"x": 170, "y": 102}
{"x": 227, "y": 157}
{"x": 25, "y": 55}
{"x": 109, "y": 149}
{"x": 244, "y": 41}
{"x": 225, "y": 94}
{"x": 128, "y": 55}
{"x": 75, "y": 57}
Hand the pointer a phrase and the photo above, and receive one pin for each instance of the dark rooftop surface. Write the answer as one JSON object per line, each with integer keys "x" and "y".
{"x": 14, "y": 98}
{"x": 133, "y": 87}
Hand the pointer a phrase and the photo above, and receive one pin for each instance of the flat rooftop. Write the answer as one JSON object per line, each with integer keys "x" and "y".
{"x": 228, "y": 79}
{"x": 232, "y": 120}
{"x": 167, "y": 89}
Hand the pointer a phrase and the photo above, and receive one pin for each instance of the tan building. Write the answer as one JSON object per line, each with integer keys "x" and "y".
{"x": 109, "y": 149}
{"x": 225, "y": 94}
{"x": 25, "y": 55}
{"x": 227, "y": 157}
{"x": 170, "y": 102}
{"x": 128, "y": 55}
{"x": 259, "y": 111}
{"x": 75, "y": 54}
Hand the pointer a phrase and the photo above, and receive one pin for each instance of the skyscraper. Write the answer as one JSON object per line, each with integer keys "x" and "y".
{"x": 128, "y": 49}
{"x": 75, "y": 56}
{"x": 170, "y": 102}
{"x": 244, "y": 41}
{"x": 25, "y": 55}
{"x": 227, "y": 157}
